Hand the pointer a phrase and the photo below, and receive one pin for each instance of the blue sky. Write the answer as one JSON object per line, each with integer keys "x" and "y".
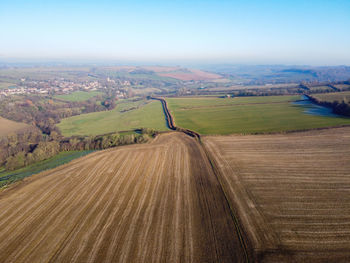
{"x": 251, "y": 31}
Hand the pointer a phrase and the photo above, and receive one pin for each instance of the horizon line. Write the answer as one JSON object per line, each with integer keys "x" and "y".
{"x": 158, "y": 62}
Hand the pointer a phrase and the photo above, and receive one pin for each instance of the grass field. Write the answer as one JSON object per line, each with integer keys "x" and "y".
{"x": 291, "y": 192}
{"x": 78, "y": 95}
{"x": 157, "y": 202}
{"x": 7, "y": 177}
{"x": 128, "y": 115}
{"x": 246, "y": 115}
{"x": 8, "y": 126}
{"x": 139, "y": 91}
{"x": 336, "y": 96}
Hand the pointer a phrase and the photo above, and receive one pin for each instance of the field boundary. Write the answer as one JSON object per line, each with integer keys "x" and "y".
{"x": 251, "y": 253}
{"x": 235, "y": 219}
{"x": 216, "y": 172}
{"x": 296, "y": 227}
{"x": 171, "y": 123}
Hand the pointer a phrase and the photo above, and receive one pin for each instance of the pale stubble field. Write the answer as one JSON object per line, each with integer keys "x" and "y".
{"x": 157, "y": 202}
{"x": 290, "y": 191}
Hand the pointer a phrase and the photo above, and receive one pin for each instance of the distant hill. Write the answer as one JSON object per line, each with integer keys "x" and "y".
{"x": 177, "y": 73}
{"x": 280, "y": 73}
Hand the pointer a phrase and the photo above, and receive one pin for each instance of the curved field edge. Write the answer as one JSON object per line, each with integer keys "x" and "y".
{"x": 155, "y": 202}
{"x": 126, "y": 116}
{"x": 9, "y": 177}
{"x": 289, "y": 191}
{"x": 247, "y": 115}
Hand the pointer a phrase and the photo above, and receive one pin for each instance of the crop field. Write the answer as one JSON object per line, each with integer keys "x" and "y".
{"x": 157, "y": 202}
{"x": 78, "y": 95}
{"x": 246, "y": 115}
{"x": 8, "y": 126}
{"x": 128, "y": 115}
{"x": 291, "y": 192}
{"x": 336, "y": 96}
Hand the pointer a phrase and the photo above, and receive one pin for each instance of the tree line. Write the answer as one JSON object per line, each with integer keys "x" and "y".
{"x": 44, "y": 140}
{"x": 44, "y": 113}
{"x": 341, "y": 108}
{"x": 19, "y": 150}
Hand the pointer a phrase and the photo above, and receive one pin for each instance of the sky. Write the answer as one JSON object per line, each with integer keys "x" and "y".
{"x": 306, "y": 32}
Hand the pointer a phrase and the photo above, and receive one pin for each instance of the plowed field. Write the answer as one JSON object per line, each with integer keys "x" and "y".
{"x": 157, "y": 202}
{"x": 7, "y": 127}
{"x": 291, "y": 192}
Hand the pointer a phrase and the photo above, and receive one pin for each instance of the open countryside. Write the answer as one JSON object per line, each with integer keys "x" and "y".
{"x": 127, "y": 116}
{"x": 175, "y": 131}
{"x": 173, "y": 202}
{"x": 183, "y": 195}
{"x": 78, "y": 96}
{"x": 280, "y": 186}
{"x": 249, "y": 114}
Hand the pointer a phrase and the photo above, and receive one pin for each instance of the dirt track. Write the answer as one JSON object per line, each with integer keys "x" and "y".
{"x": 158, "y": 202}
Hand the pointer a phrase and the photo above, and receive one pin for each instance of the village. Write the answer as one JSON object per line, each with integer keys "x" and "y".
{"x": 63, "y": 86}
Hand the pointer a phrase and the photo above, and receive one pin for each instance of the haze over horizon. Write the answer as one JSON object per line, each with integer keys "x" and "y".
{"x": 247, "y": 32}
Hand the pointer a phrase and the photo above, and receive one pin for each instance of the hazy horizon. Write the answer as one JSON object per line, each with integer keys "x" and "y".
{"x": 163, "y": 32}
{"x": 56, "y": 62}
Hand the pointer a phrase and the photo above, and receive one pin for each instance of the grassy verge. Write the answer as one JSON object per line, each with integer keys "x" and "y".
{"x": 7, "y": 177}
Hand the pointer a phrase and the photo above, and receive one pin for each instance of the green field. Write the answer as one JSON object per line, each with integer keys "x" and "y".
{"x": 246, "y": 115}
{"x": 7, "y": 177}
{"x": 78, "y": 95}
{"x": 128, "y": 115}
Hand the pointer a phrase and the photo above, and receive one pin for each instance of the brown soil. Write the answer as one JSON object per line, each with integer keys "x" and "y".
{"x": 157, "y": 202}
{"x": 7, "y": 127}
{"x": 291, "y": 192}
